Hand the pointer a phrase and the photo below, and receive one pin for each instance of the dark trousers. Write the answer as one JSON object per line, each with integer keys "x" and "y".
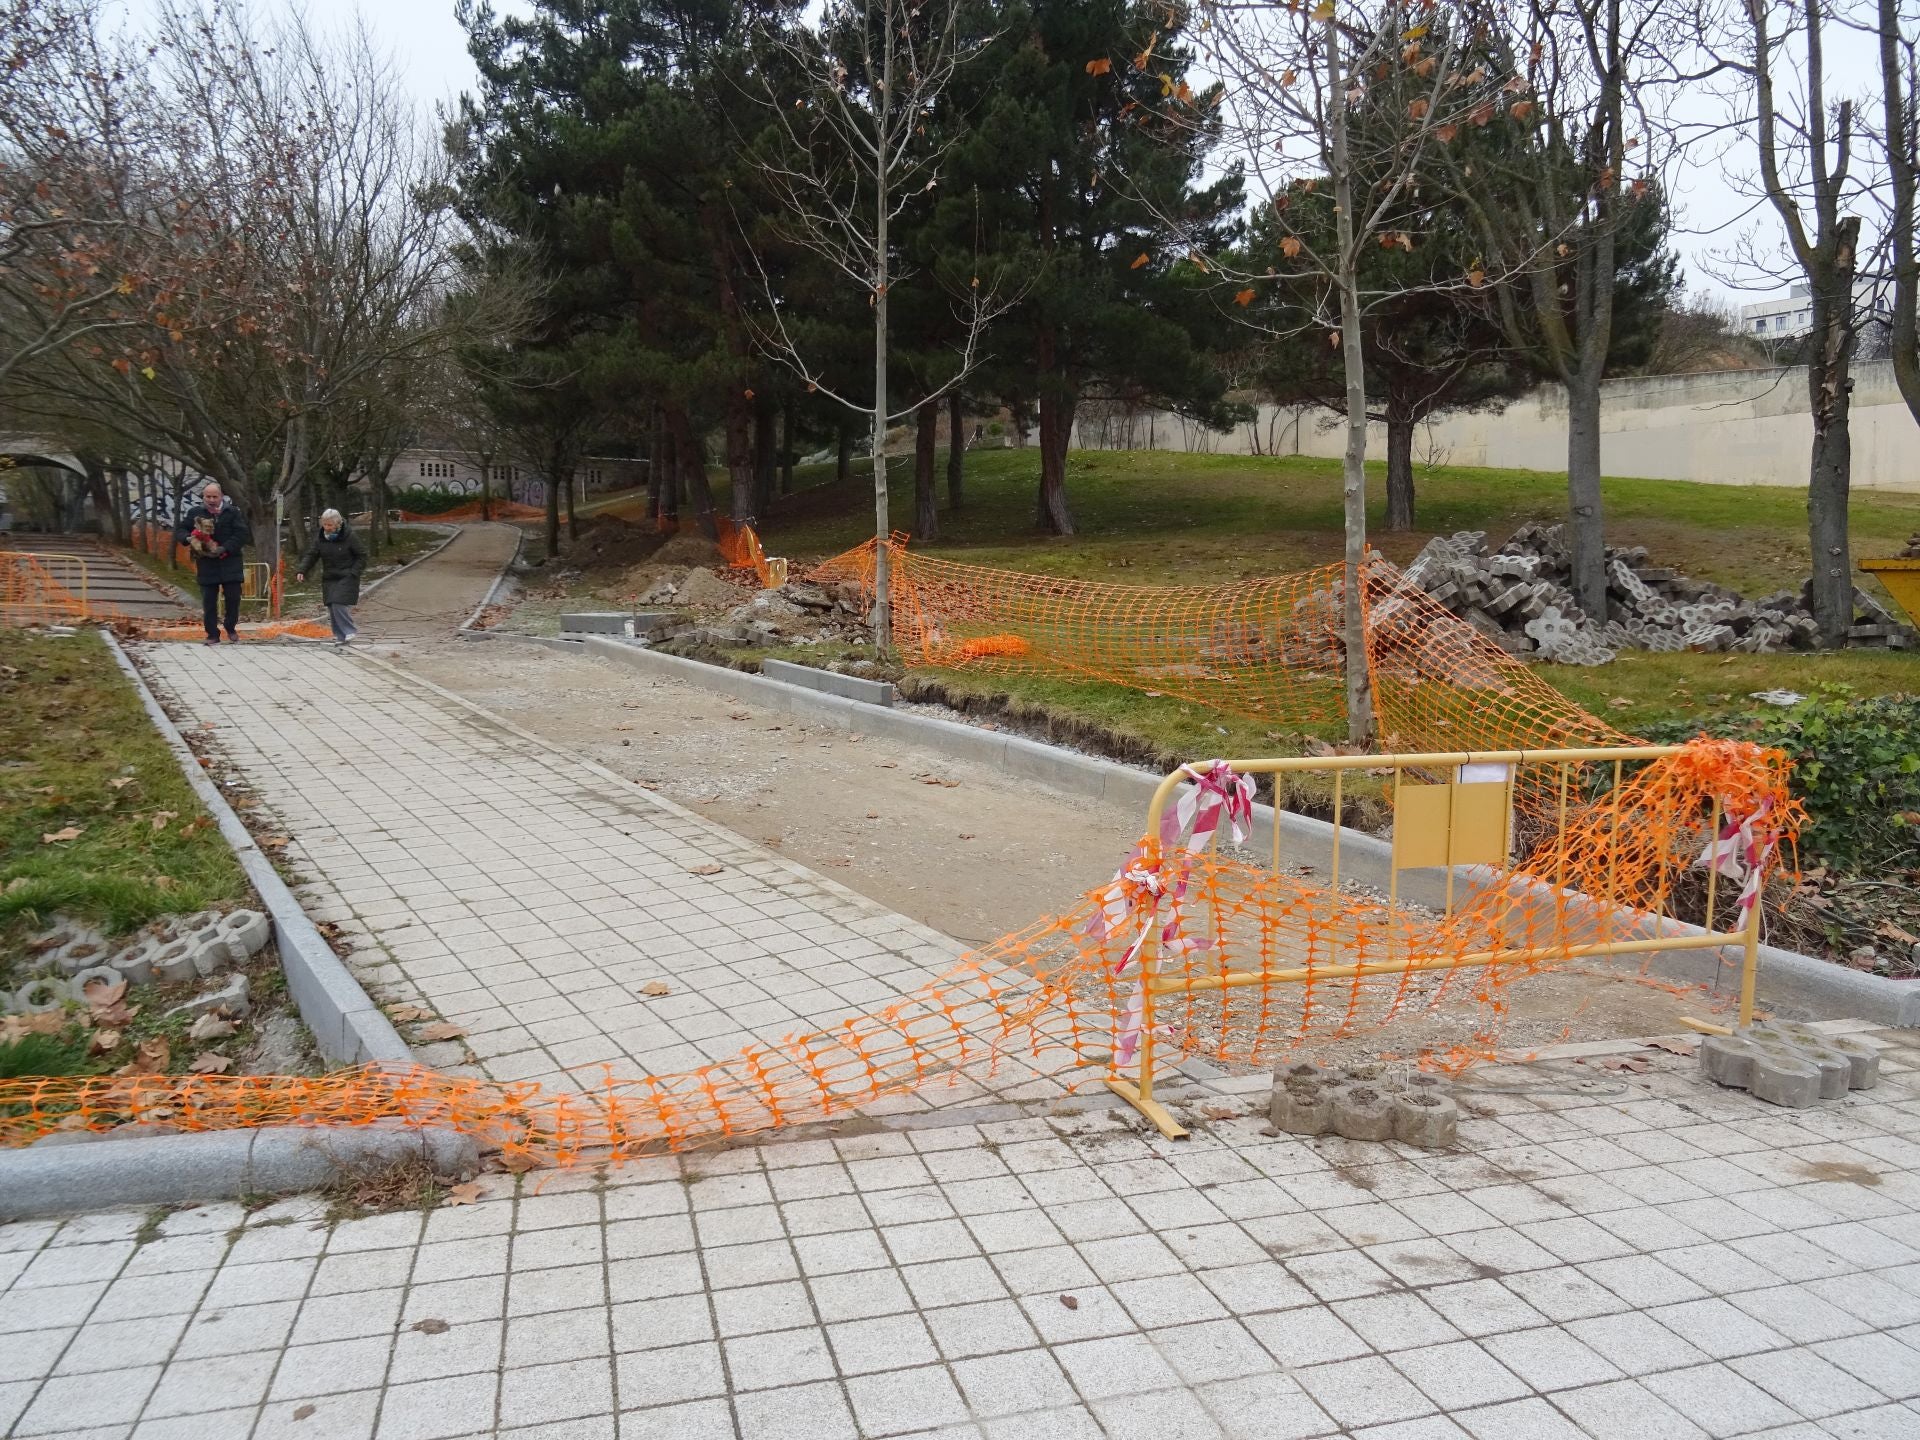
{"x": 210, "y": 605}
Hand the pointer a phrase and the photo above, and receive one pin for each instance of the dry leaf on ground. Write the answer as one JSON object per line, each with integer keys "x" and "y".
{"x": 57, "y": 837}
{"x": 1675, "y": 1047}
{"x": 656, "y": 987}
{"x": 103, "y": 995}
{"x": 211, "y": 1027}
{"x": 432, "y": 1326}
{"x": 406, "y": 1013}
{"x": 1070, "y": 1302}
{"x": 208, "y": 1063}
{"x": 305, "y": 1411}
{"x": 152, "y": 1058}
{"x": 161, "y": 817}
{"x": 465, "y": 1194}
{"x": 120, "y": 782}
{"x": 104, "y": 1041}
{"x": 706, "y": 869}
{"x": 443, "y": 1030}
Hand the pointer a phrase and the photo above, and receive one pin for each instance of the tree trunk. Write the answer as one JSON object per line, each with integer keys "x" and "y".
{"x": 843, "y": 454}
{"x": 1056, "y": 428}
{"x": 1586, "y": 524}
{"x": 669, "y": 474}
{"x": 882, "y": 534}
{"x": 693, "y": 472}
{"x": 486, "y": 485}
{"x": 1830, "y": 588}
{"x": 926, "y": 517}
{"x": 1353, "y": 468}
{"x": 655, "y": 443}
{"x": 573, "y": 520}
{"x": 786, "y": 446}
{"x": 553, "y": 518}
{"x": 765, "y": 460}
{"x": 738, "y": 438}
{"x": 956, "y": 448}
{"x": 380, "y": 531}
{"x": 1901, "y": 141}
{"x": 1399, "y": 470}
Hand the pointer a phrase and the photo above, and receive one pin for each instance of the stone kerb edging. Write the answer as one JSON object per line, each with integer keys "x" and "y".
{"x": 347, "y": 1026}
{"x": 101, "y": 1172}
{"x": 1799, "y": 979}
{"x": 465, "y": 629}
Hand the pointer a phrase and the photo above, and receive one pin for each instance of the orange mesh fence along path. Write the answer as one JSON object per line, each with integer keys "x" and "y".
{"x": 509, "y": 510}
{"x": 1593, "y": 854}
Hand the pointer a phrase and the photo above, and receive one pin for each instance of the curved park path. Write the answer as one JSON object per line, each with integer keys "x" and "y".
{"x": 1604, "y": 1255}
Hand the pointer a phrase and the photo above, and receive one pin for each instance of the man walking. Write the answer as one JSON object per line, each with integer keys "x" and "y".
{"x": 216, "y": 532}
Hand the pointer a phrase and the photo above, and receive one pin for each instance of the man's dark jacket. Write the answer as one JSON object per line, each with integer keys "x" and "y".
{"x": 230, "y": 533}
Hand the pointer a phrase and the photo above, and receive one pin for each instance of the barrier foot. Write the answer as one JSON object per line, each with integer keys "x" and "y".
{"x": 1156, "y": 1112}
{"x": 1704, "y": 1027}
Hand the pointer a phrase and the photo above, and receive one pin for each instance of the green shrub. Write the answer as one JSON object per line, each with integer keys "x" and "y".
{"x": 1856, "y": 767}
{"x": 429, "y": 499}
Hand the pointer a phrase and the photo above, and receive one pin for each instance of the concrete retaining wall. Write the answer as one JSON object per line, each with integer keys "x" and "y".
{"x": 1733, "y": 427}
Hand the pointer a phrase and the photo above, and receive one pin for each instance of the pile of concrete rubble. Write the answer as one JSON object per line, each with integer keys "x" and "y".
{"x": 799, "y": 612}
{"x": 1517, "y": 597}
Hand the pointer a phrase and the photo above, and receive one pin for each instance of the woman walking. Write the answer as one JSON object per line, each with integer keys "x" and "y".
{"x": 341, "y": 560}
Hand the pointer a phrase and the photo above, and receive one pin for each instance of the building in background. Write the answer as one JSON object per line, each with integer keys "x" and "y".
{"x": 435, "y": 468}
{"x": 1790, "y": 317}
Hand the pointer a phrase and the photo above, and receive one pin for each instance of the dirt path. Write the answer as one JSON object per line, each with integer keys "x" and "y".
{"x": 974, "y": 858}
{"x": 429, "y": 598}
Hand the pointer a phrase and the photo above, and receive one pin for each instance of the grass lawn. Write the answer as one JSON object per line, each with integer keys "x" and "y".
{"x": 81, "y": 756}
{"x": 1167, "y": 518}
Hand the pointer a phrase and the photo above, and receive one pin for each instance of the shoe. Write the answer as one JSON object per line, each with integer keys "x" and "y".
{"x": 213, "y": 640}
{"x": 232, "y": 639}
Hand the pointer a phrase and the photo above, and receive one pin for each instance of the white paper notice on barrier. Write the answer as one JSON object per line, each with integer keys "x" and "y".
{"x": 1483, "y": 773}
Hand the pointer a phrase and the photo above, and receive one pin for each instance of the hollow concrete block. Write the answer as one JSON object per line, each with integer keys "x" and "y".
{"x": 1363, "y": 1112}
{"x": 246, "y": 931}
{"x": 1729, "y": 1060}
{"x": 1302, "y": 1107}
{"x": 1785, "y": 1080}
{"x": 1425, "y": 1117}
{"x": 134, "y": 964}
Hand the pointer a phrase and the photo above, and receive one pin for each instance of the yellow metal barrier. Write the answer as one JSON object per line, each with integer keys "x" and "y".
{"x": 1451, "y": 811}
{"x": 257, "y": 582}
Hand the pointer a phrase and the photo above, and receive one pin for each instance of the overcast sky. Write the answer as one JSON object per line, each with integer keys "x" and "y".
{"x": 430, "y": 49}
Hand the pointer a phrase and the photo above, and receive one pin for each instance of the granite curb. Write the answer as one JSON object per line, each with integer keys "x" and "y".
{"x": 347, "y": 1026}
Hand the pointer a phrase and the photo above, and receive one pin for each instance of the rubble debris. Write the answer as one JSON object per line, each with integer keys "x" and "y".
{"x": 1517, "y": 597}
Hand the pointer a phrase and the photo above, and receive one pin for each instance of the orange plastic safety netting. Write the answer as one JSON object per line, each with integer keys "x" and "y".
{"x": 1056, "y": 999}
{"x": 511, "y": 510}
{"x": 1601, "y": 857}
{"x": 1270, "y": 648}
{"x": 740, "y": 547}
{"x": 31, "y": 595}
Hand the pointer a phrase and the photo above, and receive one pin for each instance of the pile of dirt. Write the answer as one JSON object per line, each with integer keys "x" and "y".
{"x": 688, "y": 550}
{"x": 701, "y": 589}
{"x": 607, "y": 542}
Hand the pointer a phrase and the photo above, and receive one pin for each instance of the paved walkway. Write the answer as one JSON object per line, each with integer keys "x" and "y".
{"x": 526, "y": 896}
{"x": 1663, "y": 1261}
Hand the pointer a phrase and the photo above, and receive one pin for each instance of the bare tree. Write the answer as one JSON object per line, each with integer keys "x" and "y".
{"x": 1900, "y": 139}
{"x": 291, "y": 172}
{"x": 855, "y": 140}
{"x": 1804, "y": 139}
{"x": 1555, "y": 197}
{"x": 1345, "y": 108}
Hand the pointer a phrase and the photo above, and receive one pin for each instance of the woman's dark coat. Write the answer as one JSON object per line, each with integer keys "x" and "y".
{"x": 341, "y": 560}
